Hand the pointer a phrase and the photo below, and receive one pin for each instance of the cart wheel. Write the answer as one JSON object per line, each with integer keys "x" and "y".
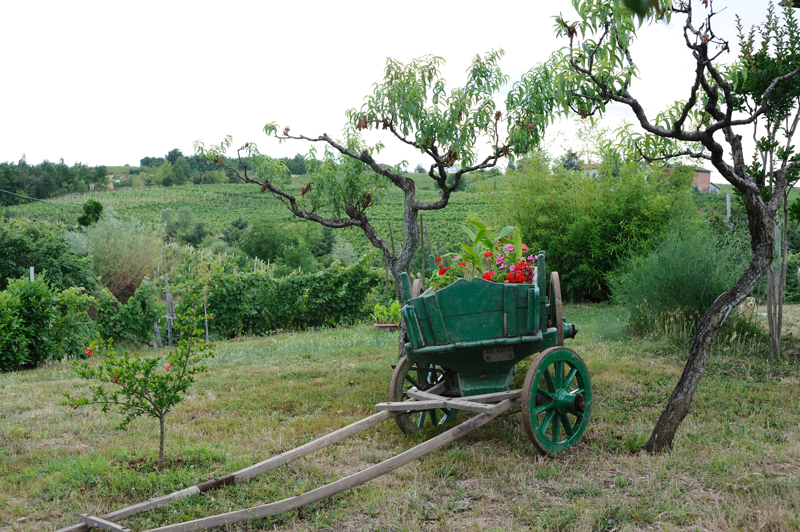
{"x": 555, "y": 317}
{"x": 422, "y": 377}
{"x": 556, "y": 400}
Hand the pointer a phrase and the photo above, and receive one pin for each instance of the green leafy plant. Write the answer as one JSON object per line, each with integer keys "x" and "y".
{"x": 483, "y": 246}
{"x": 26, "y": 243}
{"x": 92, "y": 210}
{"x": 384, "y": 314}
{"x": 132, "y": 321}
{"x": 74, "y": 328}
{"x": 138, "y": 386}
{"x": 495, "y": 258}
{"x": 669, "y": 288}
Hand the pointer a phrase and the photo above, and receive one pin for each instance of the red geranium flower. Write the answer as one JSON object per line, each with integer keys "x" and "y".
{"x": 89, "y": 352}
{"x": 438, "y": 259}
{"x": 488, "y": 254}
{"x": 462, "y": 264}
{"x": 488, "y": 276}
{"x": 515, "y": 277}
{"x": 443, "y": 271}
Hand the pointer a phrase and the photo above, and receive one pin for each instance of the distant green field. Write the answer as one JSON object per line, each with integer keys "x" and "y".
{"x": 218, "y": 205}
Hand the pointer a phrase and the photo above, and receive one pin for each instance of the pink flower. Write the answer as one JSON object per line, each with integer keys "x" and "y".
{"x": 167, "y": 366}
{"x": 511, "y": 268}
{"x": 502, "y": 266}
{"x": 531, "y": 257}
{"x": 509, "y": 248}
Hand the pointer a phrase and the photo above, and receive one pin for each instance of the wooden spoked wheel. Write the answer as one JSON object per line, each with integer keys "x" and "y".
{"x": 423, "y": 377}
{"x": 556, "y": 400}
{"x": 555, "y": 317}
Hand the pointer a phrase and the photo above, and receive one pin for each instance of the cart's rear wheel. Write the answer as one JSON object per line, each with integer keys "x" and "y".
{"x": 555, "y": 317}
{"x": 556, "y": 400}
{"x": 423, "y": 377}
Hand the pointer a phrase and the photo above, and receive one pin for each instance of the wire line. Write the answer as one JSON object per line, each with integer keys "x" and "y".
{"x": 37, "y": 199}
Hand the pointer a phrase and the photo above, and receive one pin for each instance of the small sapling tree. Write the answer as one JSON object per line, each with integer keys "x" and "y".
{"x": 140, "y": 386}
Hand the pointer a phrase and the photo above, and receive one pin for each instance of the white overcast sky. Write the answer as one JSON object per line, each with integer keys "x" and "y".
{"x": 109, "y": 82}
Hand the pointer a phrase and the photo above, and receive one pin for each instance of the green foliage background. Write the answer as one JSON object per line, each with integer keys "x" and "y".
{"x": 588, "y": 222}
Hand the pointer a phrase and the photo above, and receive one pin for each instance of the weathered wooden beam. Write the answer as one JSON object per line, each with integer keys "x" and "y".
{"x": 118, "y": 515}
{"x": 410, "y": 406}
{"x": 92, "y": 522}
{"x": 310, "y": 447}
{"x": 344, "y": 484}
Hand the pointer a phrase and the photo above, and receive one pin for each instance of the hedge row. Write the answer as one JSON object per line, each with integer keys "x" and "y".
{"x": 255, "y": 303}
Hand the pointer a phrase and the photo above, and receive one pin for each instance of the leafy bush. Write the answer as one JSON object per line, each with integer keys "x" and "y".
{"x": 132, "y": 321}
{"x": 75, "y": 329}
{"x": 670, "y": 288}
{"x": 123, "y": 252}
{"x": 38, "y": 324}
{"x": 92, "y": 210}
{"x": 26, "y": 243}
{"x": 14, "y": 343}
{"x": 256, "y": 303}
{"x": 589, "y": 222}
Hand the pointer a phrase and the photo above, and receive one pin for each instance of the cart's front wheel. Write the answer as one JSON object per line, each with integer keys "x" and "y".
{"x": 556, "y": 400}
{"x": 423, "y": 377}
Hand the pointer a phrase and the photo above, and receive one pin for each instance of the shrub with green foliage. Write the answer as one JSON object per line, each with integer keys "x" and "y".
{"x": 588, "y": 222}
{"x": 26, "y": 243}
{"x": 35, "y": 305}
{"x": 256, "y": 303}
{"x": 132, "y": 321}
{"x": 123, "y": 252}
{"x": 92, "y": 210}
{"x": 75, "y": 328}
{"x": 669, "y": 288}
{"x": 38, "y": 323}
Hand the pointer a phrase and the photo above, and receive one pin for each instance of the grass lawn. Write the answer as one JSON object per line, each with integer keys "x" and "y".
{"x": 735, "y": 466}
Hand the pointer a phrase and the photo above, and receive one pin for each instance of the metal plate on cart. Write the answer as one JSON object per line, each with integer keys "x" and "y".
{"x": 498, "y": 354}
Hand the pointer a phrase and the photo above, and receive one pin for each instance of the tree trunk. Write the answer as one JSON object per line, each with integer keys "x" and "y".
{"x": 761, "y": 231}
{"x": 161, "y": 443}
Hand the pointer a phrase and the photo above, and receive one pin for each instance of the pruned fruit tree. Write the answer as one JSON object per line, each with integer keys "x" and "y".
{"x": 755, "y": 94}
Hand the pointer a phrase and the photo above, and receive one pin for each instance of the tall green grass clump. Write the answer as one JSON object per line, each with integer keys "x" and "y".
{"x": 669, "y": 288}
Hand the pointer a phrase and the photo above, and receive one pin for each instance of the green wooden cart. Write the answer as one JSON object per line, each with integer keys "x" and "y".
{"x": 464, "y": 343}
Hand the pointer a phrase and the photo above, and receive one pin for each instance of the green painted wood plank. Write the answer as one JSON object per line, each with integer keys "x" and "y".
{"x": 436, "y": 319}
{"x": 533, "y": 310}
{"x": 510, "y": 310}
{"x": 412, "y": 327}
